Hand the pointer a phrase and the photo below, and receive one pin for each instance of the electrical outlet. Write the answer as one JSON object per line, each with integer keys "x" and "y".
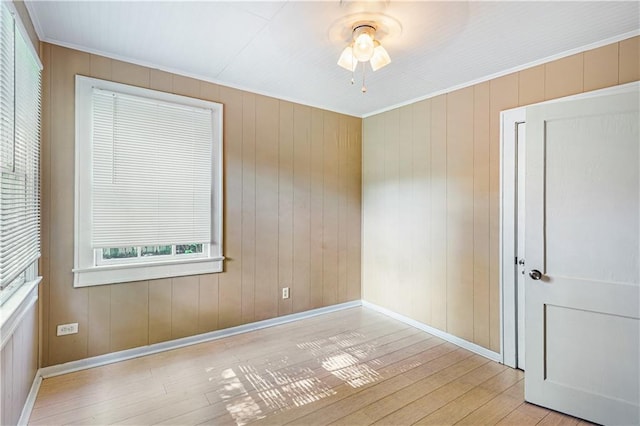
{"x": 64, "y": 329}
{"x": 285, "y": 292}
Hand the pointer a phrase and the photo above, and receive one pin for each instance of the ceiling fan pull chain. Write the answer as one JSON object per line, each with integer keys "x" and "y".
{"x": 364, "y": 87}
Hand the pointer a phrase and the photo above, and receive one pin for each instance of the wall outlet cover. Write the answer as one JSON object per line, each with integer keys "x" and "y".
{"x": 64, "y": 329}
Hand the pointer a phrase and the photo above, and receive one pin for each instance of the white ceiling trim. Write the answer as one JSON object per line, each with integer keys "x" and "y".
{"x": 38, "y": 27}
{"x": 190, "y": 75}
{"x": 341, "y": 100}
{"x": 560, "y": 55}
{"x": 325, "y": 107}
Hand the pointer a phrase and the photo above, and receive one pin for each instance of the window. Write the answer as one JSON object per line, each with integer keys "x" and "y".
{"x": 19, "y": 156}
{"x": 148, "y": 184}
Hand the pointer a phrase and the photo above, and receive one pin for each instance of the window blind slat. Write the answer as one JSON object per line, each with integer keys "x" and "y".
{"x": 19, "y": 152}
{"x": 151, "y": 172}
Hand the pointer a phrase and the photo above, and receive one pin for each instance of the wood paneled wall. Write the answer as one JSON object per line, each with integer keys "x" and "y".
{"x": 18, "y": 366}
{"x": 292, "y": 218}
{"x": 431, "y": 173}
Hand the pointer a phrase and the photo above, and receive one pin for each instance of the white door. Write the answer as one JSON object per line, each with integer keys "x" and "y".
{"x": 582, "y": 247}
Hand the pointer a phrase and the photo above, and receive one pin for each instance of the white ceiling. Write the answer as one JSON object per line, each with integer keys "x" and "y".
{"x": 289, "y": 50}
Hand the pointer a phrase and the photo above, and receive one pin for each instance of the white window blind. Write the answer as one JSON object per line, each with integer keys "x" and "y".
{"x": 151, "y": 171}
{"x": 20, "y": 152}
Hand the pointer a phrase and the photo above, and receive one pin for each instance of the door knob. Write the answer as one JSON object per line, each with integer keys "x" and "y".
{"x": 535, "y": 274}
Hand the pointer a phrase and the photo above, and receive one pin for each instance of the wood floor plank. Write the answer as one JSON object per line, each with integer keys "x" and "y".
{"x": 498, "y": 408}
{"x": 433, "y": 392}
{"x": 345, "y": 390}
{"x": 472, "y": 399}
{"x": 525, "y": 414}
{"x": 351, "y": 367}
{"x": 558, "y": 419}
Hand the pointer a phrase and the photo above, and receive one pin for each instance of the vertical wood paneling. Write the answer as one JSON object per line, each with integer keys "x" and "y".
{"x": 278, "y": 188}
{"x": 438, "y": 225}
{"x": 601, "y": 67}
{"x": 354, "y": 196}
{"x": 100, "y": 67}
{"x": 390, "y": 223}
{"x": 6, "y": 385}
{"x": 160, "y": 80}
{"x": 453, "y": 278}
{"x": 129, "y": 315}
{"x": 185, "y": 86}
{"x": 267, "y": 113}
{"x": 460, "y": 219}
{"x": 99, "y": 322}
{"x": 185, "y": 293}
{"x": 285, "y": 205}
{"x": 564, "y": 77}
{"x": 248, "y": 206}
{"x": 406, "y": 207}
{"x": 45, "y": 203}
{"x": 159, "y": 310}
{"x": 135, "y": 75}
{"x": 481, "y": 214}
{"x": 629, "y": 60}
{"x": 300, "y": 288}
{"x": 66, "y": 303}
{"x": 374, "y": 203}
{"x": 230, "y": 291}
{"x": 531, "y": 85}
{"x": 209, "y": 91}
{"x": 504, "y": 95}
{"x": 341, "y": 194}
{"x": 330, "y": 210}
{"x": 421, "y": 215}
{"x": 316, "y": 278}
{"x": 20, "y": 369}
{"x": 208, "y": 303}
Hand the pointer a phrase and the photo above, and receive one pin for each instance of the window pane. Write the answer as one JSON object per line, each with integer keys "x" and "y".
{"x": 156, "y": 251}
{"x": 188, "y": 248}
{"x": 119, "y": 253}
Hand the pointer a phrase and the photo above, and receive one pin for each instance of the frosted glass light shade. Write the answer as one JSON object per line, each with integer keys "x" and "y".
{"x": 363, "y": 47}
{"x": 347, "y": 60}
{"x": 380, "y": 58}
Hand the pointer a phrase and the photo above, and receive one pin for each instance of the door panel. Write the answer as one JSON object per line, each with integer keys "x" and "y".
{"x": 563, "y": 338}
{"x": 606, "y": 177}
{"x": 582, "y": 232}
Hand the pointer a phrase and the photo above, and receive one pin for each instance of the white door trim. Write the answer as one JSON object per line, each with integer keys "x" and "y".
{"x": 508, "y": 118}
{"x": 508, "y": 232}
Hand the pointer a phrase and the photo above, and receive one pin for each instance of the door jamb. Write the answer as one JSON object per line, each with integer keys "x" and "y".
{"x": 508, "y": 232}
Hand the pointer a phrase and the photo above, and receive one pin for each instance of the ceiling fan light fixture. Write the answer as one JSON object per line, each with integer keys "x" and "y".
{"x": 380, "y": 58}
{"x": 347, "y": 60}
{"x": 364, "y": 48}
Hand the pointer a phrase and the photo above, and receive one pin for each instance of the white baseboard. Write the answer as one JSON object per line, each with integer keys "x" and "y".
{"x": 493, "y": 356}
{"x": 96, "y": 361}
{"x": 31, "y": 399}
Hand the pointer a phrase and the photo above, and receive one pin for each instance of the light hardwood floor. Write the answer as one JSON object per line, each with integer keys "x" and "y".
{"x": 350, "y": 367}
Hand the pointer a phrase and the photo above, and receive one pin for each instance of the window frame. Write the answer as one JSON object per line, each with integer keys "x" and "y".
{"x": 87, "y": 270}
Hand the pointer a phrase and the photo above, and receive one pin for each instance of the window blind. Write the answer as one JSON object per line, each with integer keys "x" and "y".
{"x": 151, "y": 171}
{"x": 20, "y": 152}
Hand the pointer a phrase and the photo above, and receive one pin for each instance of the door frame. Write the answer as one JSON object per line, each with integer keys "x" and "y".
{"x": 508, "y": 233}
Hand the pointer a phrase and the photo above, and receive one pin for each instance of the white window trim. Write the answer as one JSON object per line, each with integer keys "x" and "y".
{"x": 86, "y": 272}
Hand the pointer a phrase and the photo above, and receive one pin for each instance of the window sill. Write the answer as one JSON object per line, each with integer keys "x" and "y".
{"x": 14, "y": 308}
{"x": 112, "y": 274}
